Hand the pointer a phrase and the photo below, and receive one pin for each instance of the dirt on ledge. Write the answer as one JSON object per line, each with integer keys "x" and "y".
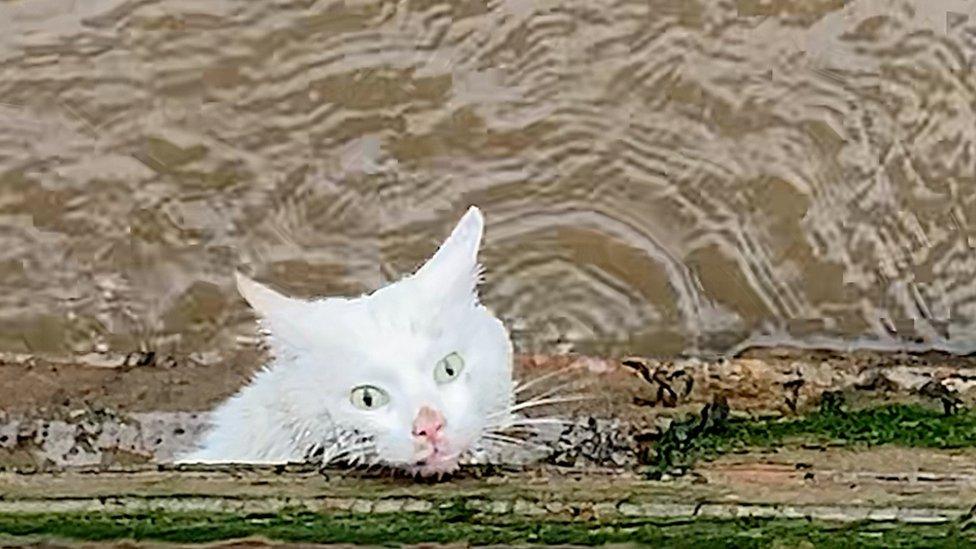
{"x": 761, "y": 381}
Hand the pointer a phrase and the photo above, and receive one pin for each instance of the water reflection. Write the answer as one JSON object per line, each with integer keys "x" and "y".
{"x": 658, "y": 177}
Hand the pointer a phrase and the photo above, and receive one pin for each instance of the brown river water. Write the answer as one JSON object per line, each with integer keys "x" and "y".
{"x": 658, "y": 177}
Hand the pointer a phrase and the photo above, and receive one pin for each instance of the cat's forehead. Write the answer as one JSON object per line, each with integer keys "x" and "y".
{"x": 381, "y": 328}
{"x": 398, "y": 351}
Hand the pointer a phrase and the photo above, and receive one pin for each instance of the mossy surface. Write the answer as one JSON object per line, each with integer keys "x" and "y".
{"x": 902, "y": 425}
{"x": 907, "y": 425}
{"x": 456, "y": 524}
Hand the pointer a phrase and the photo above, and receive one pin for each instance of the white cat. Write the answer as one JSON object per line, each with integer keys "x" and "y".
{"x": 412, "y": 376}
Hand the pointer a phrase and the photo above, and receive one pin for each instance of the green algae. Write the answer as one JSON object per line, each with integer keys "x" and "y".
{"x": 458, "y": 524}
{"x": 713, "y": 433}
{"x": 901, "y": 425}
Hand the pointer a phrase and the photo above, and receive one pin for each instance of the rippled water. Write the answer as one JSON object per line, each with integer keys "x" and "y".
{"x": 658, "y": 176}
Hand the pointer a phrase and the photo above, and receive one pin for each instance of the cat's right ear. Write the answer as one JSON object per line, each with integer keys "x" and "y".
{"x": 265, "y": 301}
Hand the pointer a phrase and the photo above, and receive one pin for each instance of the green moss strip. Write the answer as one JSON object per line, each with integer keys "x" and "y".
{"x": 908, "y": 425}
{"x": 902, "y": 425}
{"x": 456, "y": 524}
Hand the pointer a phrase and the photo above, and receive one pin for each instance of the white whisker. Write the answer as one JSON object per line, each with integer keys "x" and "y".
{"x": 520, "y": 387}
{"x": 553, "y": 391}
{"x": 504, "y": 438}
{"x": 493, "y": 439}
{"x": 547, "y": 401}
{"x": 353, "y": 454}
{"x": 531, "y": 422}
{"x": 492, "y": 443}
{"x": 496, "y": 447}
{"x": 334, "y": 451}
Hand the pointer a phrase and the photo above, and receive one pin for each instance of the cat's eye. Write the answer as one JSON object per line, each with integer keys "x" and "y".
{"x": 448, "y": 368}
{"x": 367, "y": 397}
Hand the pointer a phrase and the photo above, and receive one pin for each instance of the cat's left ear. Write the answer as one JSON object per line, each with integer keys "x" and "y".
{"x": 265, "y": 301}
{"x": 454, "y": 272}
{"x": 278, "y": 313}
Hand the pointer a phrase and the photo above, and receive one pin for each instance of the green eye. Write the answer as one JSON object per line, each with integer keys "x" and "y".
{"x": 367, "y": 397}
{"x": 448, "y": 368}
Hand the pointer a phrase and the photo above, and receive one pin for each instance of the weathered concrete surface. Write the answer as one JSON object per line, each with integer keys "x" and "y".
{"x": 883, "y": 484}
{"x": 142, "y": 408}
{"x": 85, "y": 436}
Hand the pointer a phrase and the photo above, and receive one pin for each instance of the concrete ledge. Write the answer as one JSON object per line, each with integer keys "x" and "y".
{"x": 912, "y": 486}
{"x": 875, "y": 498}
{"x": 82, "y": 464}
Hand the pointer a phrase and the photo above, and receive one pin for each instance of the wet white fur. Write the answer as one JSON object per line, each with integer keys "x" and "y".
{"x": 392, "y": 339}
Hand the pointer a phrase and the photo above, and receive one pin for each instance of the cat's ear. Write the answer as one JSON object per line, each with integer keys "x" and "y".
{"x": 265, "y": 301}
{"x": 278, "y": 313}
{"x": 453, "y": 272}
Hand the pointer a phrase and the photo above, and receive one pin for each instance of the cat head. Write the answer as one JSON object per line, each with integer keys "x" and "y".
{"x": 419, "y": 367}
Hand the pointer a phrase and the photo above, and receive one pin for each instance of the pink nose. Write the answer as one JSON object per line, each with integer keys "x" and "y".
{"x": 428, "y": 424}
